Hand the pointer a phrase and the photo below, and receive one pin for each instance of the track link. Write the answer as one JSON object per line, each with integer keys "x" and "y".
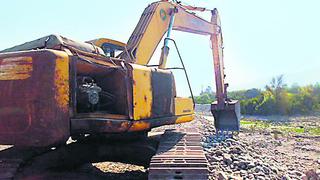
{"x": 179, "y": 156}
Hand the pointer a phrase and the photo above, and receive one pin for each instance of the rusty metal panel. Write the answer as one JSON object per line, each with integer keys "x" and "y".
{"x": 142, "y": 92}
{"x": 98, "y": 125}
{"x": 34, "y": 98}
{"x": 162, "y": 93}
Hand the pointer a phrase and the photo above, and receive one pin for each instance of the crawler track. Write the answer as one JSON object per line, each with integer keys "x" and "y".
{"x": 174, "y": 154}
{"x": 179, "y": 156}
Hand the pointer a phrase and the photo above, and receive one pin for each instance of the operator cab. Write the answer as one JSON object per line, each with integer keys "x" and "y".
{"x": 110, "y": 47}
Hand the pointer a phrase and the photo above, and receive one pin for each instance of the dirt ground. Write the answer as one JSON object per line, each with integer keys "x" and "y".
{"x": 252, "y": 154}
{"x": 266, "y": 153}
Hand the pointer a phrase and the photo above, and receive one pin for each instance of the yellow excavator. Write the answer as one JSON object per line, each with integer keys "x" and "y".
{"x": 54, "y": 88}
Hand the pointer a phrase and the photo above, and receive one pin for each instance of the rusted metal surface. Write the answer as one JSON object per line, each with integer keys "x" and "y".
{"x": 103, "y": 124}
{"x": 217, "y": 51}
{"x": 34, "y": 98}
{"x": 227, "y": 119}
{"x": 226, "y": 112}
{"x": 55, "y": 42}
{"x": 163, "y": 92}
{"x": 98, "y": 125}
{"x": 179, "y": 156}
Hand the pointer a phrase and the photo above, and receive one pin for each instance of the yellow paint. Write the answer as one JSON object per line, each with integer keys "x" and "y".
{"x": 159, "y": 22}
{"x": 139, "y": 126}
{"x": 185, "y": 118}
{"x": 153, "y": 34}
{"x": 15, "y": 68}
{"x": 101, "y": 41}
{"x": 142, "y": 92}
{"x": 183, "y": 106}
{"x": 190, "y": 22}
{"x": 61, "y": 80}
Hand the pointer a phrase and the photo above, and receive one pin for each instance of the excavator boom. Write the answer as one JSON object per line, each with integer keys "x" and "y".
{"x": 162, "y": 17}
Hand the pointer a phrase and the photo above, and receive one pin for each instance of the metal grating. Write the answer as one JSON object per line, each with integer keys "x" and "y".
{"x": 179, "y": 156}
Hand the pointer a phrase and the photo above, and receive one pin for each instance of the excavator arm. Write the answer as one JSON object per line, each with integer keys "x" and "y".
{"x": 162, "y": 17}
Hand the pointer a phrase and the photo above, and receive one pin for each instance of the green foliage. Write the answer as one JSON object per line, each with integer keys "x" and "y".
{"x": 206, "y": 97}
{"x": 277, "y": 98}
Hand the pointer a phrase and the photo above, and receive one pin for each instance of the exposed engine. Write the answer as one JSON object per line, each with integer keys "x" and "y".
{"x": 91, "y": 97}
{"x": 88, "y": 94}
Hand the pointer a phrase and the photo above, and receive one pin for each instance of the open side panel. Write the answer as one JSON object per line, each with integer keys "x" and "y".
{"x": 100, "y": 91}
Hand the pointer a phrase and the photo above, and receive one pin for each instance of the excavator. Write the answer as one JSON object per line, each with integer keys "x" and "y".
{"x": 54, "y": 88}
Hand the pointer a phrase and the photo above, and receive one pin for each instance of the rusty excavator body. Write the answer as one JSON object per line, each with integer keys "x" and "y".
{"x": 54, "y": 88}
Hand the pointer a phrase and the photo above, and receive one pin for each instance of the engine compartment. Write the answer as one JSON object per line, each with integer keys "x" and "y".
{"x": 100, "y": 91}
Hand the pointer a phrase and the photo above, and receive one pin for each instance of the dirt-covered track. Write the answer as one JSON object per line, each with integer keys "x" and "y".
{"x": 73, "y": 161}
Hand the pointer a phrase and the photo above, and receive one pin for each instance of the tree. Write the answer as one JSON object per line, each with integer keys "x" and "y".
{"x": 205, "y": 97}
{"x": 208, "y": 90}
{"x": 277, "y": 89}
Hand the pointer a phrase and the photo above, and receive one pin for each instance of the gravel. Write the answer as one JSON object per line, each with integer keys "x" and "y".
{"x": 244, "y": 157}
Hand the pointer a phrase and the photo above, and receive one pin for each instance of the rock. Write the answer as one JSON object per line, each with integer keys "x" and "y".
{"x": 226, "y": 150}
{"x": 222, "y": 176}
{"x": 206, "y": 145}
{"x": 236, "y": 163}
{"x": 274, "y": 169}
{"x": 251, "y": 165}
{"x": 297, "y": 173}
{"x": 243, "y": 164}
{"x": 251, "y": 176}
{"x": 227, "y": 159}
{"x": 235, "y": 150}
{"x": 233, "y": 178}
{"x": 229, "y": 171}
{"x": 243, "y": 173}
{"x": 233, "y": 141}
{"x": 219, "y": 152}
{"x": 258, "y": 174}
{"x": 318, "y": 161}
{"x": 234, "y": 158}
{"x": 286, "y": 177}
{"x": 258, "y": 169}
{"x": 258, "y": 162}
{"x": 216, "y": 158}
{"x": 266, "y": 170}
{"x": 204, "y": 139}
{"x": 214, "y": 144}
{"x": 260, "y": 178}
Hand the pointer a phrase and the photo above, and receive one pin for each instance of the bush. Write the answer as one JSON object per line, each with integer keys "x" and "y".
{"x": 277, "y": 98}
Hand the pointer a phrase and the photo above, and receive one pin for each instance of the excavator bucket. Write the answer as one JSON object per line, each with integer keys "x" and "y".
{"x": 227, "y": 118}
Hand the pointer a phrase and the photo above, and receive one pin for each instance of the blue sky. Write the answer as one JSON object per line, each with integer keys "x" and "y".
{"x": 262, "y": 38}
